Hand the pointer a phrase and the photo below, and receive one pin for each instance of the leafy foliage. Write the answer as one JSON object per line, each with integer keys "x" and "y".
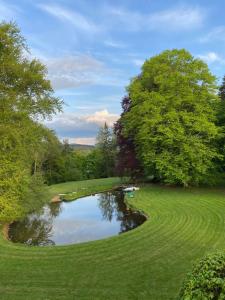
{"x": 127, "y": 161}
{"x": 207, "y": 280}
{"x": 26, "y": 95}
{"x": 172, "y": 117}
{"x": 106, "y": 152}
{"x": 63, "y": 163}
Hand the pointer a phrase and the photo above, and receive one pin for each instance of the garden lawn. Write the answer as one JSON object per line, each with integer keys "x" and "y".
{"x": 75, "y": 189}
{"x": 149, "y": 262}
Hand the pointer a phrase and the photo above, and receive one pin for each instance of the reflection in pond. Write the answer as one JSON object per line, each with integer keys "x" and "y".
{"x": 114, "y": 207}
{"x": 89, "y": 218}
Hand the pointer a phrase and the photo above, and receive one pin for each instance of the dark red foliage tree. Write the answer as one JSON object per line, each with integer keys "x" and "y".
{"x": 127, "y": 161}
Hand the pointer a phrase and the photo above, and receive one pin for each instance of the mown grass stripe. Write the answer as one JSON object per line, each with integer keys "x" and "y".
{"x": 149, "y": 262}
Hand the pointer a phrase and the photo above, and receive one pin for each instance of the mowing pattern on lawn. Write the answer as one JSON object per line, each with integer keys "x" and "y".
{"x": 149, "y": 262}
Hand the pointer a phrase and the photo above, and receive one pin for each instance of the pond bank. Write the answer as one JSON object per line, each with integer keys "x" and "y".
{"x": 56, "y": 199}
{"x": 72, "y": 190}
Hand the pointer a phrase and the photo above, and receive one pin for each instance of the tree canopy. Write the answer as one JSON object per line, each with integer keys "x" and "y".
{"x": 26, "y": 95}
{"x": 127, "y": 162}
{"x": 172, "y": 117}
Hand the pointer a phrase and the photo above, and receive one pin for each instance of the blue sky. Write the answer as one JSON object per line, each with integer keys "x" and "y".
{"x": 92, "y": 48}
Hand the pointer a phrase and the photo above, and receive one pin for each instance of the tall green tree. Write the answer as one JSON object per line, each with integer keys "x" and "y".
{"x": 106, "y": 148}
{"x": 26, "y": 96}
{"x": 172, "y": 117}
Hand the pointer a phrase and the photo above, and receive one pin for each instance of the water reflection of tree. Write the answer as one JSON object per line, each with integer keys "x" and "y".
{"x": 107, "y": 204}
{"x": 55, "y": 209}
{"x": 112, "y": 205}
{"x": 36, "y": 228}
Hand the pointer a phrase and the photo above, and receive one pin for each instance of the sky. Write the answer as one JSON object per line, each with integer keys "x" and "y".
{"x": 93, "y": 48}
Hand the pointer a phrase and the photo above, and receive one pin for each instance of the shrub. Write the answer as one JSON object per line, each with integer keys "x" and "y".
{"x": 207, "y": 280}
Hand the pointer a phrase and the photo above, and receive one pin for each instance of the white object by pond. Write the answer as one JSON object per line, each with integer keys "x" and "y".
{"x": 131, "y": 189}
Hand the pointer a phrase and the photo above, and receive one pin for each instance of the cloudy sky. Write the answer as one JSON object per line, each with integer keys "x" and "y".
{"x": 92, "y": 48}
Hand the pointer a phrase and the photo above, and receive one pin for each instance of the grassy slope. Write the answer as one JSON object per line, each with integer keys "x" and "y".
{"x": 76, "y": 189}
{"x": 149, "y": 262}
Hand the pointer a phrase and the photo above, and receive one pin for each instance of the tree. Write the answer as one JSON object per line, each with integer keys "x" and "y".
{"x": 73, "y": 164}
{"x": 62, "y": 163}
{"x": 26, "y": 96}
{"x": 172, "y": 117}
{"x": 127, "y": 162}
{"x": 93, "y": 164}
{"x": 51, "y": 162}
{"x": 106, "y": 148}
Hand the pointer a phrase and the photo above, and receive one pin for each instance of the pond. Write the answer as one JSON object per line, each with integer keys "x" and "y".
{"x": 86, "y": 219}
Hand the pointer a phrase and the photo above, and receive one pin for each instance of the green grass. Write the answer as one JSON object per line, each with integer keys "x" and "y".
{"x": 76, "y": 189}
{"x": 149, "y": 262}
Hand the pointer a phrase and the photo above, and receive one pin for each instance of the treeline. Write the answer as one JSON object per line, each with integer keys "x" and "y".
{"x": 172, "y": 128}
{"x": 66, "y": 164}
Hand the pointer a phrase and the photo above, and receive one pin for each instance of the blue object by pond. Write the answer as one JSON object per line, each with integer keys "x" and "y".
{"x": 130, "y": 194}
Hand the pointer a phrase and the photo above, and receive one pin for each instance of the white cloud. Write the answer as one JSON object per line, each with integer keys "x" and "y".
{"x": 183, "y": 18}
{"x": 70, "y": 125}
{"x": 217, "y": 33}
{"x": 73, "y": 71}
{"x": 176, "y": 19}
{"x": 114, "y": 44}
{"x": 76, "y": 19}
{"x": 82, "y": 141}
{"x": 138, "y": 62}
{"x": 211, "y": 57}
{"x": 102, "y": 117}
{"x": 71, "y": 120}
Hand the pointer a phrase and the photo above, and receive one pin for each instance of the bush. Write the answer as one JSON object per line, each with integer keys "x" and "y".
{"x": 207, "y": 280}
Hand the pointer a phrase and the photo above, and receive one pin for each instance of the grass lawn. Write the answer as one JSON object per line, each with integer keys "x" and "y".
{"x": 149, "y": 262}
{"x": 75, "y": 189}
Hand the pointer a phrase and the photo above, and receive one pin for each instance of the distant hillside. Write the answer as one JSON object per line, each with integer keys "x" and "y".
{"x": 81, "y": 147}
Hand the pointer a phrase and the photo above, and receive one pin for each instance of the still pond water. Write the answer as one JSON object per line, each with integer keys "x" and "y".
{"x": 86, "y": 219}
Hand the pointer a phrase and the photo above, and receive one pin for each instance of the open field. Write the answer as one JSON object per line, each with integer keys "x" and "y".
{"x": 149, "y": 262}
